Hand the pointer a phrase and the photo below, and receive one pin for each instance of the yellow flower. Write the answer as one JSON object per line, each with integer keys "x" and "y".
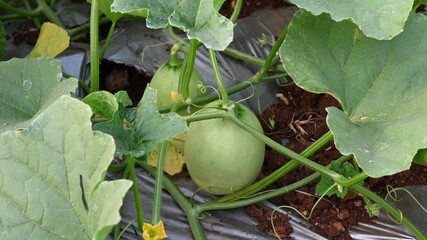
{"x": 153, "y": 232}
{"x": 175, "y": 96}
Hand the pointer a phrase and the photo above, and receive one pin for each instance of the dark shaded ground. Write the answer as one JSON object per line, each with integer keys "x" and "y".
{"x": 299, "y": 118}
{"x": 249, "y": 6}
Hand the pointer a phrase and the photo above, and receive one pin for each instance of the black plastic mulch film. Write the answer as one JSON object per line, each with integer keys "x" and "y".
{"x": 129, "y": 41}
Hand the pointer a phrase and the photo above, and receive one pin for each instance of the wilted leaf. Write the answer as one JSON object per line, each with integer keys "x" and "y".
{"x": 52, "y": 41}
{"x": 174, "y": 158}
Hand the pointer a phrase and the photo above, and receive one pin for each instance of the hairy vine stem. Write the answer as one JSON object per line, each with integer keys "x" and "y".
{"x": 135, "y": 191}
{"x": 263, "y": 183}
{"x": 94, "y": 46}
{"x": 236, "y": 11}
{"x": 159, "y": 184}
{"x": 219, "y": 81}
{"x": 389, "y": 208}
{"x": 187, "y": 71}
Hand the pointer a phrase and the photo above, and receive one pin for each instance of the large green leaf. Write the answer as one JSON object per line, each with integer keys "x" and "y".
{"x": 196, "y": 17}
{"x": 380, "y": 84}
{"x": 28, "y": 86}
{"x": 138, "y": 131}
{"x": 3, "y": 42}
{"x": 380, "y": 19}
{"x": 46, "y": 168}
{"x": 157, "y": 12}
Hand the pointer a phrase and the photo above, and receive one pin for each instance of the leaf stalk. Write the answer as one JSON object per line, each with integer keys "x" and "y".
{"x": 159, "y": 184}
{"x": 94, "y": 46}
{"x": 135, "y": 191}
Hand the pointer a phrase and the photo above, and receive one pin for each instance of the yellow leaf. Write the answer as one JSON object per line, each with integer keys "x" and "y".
{"x": 52, "y": 41}
{"x": 153, "y": 232}
{"x": 174, "y": 158}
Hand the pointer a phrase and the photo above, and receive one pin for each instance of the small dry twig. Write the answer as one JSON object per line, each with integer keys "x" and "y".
{"x": 283, "y": 98}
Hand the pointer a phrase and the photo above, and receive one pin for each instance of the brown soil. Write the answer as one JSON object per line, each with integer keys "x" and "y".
{"x": 26, "y": 33}
{"x": 299, "y": 119}
{"x": 282, "y": 226}
{"x": 249, "y": 6}
{"x": 115, "y": 77}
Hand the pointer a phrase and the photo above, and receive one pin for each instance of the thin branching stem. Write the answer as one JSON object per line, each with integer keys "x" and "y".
{"x": 187, "y": 70}
{"x": 108, "y": 39}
